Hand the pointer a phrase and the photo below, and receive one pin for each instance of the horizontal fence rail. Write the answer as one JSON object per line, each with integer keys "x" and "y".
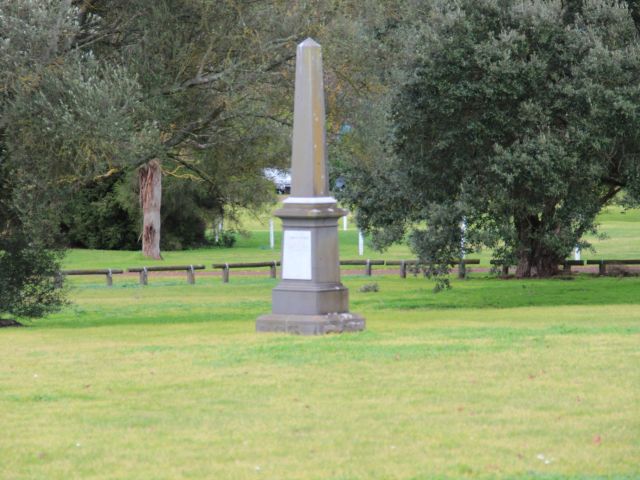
{"x": 566, "y": 265}
{"x": 107, "y": 272}
{"x": 602, "y": 264}
{"x": 226, "y": 267}
{"x": 144, "y": 271}
{"x": 368, "y": 265}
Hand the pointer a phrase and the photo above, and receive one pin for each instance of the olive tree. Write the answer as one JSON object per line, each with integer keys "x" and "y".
{"x": 63, "y": 117}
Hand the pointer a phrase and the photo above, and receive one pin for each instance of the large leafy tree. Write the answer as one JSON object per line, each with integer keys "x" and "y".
{"x": 203, "y": 99}
{"x": 521, "y": 119}
{"x": 215, "y": 84}
{"x": 37, "y": 65}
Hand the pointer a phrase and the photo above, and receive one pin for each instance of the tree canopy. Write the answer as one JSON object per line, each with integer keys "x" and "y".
{"x": 515, "y": 118}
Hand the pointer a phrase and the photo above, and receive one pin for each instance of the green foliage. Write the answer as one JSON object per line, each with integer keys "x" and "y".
{"x": 94, "y": 217}
{"x": 187, "y": 210}
{"x": 29, "y": 257}
{"x": 226, "y": 239}
{"x": 104, "y": 214}
{"x": 514, "y": 119}
{"x": 210, "y": 82}
{"x": 33, "y": 36}
{"x": 27, "y": 278}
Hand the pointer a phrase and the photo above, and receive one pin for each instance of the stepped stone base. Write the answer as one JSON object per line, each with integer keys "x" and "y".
{"x": 310, "y": 324}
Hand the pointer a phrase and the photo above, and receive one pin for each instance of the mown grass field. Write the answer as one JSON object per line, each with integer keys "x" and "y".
{"x": 536, "y": 379}
{"x": 620, "y": 229}
{"x": 492, "y": 379}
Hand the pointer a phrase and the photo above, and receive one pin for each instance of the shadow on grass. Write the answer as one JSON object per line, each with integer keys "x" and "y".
{"x": 488, "y": 292}
{"x": 245, "y": 299}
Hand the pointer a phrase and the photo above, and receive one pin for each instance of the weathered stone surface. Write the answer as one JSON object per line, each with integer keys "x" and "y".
{"x": 310, "y": 324}
{"x": 309, "y": 156}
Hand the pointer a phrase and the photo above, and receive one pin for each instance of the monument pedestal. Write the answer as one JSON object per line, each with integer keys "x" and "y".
{"x": 310, "y": 299}
{"x": 311, "y": 324}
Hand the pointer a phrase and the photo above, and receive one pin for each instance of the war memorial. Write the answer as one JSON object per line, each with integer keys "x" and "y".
{"x": 310, "y": 298}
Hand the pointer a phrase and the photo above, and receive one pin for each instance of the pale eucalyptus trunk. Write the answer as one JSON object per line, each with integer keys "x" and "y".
{"x": 150, "y": 181}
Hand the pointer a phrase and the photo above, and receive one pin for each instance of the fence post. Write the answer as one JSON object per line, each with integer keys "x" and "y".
{"x": 143, "y": 276}
{"x": 273, "y": 270}
{"x": 367, "y": 268}
{"x": 462, "y": 269}
{"x": 225, "y": 273}
{"x": 602, "y": 268}
{"x": 109, "y": 278}
{"x": 191, "y": 275}
{"x": 403, "y": 269}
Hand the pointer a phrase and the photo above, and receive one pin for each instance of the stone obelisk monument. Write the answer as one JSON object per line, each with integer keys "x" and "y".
{"x": 310, "y": 299}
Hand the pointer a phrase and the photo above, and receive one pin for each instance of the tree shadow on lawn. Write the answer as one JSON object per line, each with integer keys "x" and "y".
{"x": 5, "y": 323}
{"x": 394, "y": 294}
{"x": 499, "y": 293}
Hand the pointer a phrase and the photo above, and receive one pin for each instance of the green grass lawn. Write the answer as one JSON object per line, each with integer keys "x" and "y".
{"x": 535, "y": 379}
{"x": 621, "y": 239}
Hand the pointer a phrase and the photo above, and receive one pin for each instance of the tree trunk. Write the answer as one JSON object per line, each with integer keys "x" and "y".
{"x": 523, "y": 270}
{"x": 534, "y": 259}
{"x": 150, "y": 181}
{"x": 524, "y": 227}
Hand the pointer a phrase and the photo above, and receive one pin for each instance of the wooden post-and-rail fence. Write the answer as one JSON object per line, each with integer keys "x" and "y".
{"x": 227, "y": 267}
{"x": 144, "y": 272}
{"x": 404, "y": 266}
{"x": 107, "y": 272}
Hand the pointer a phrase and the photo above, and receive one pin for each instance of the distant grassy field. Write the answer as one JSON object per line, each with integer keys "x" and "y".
{"x": 534, "y": 379}
{"x": 621, "y": 230}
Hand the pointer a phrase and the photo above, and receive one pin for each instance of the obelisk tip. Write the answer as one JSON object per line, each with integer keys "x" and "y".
{"x": 309, "y": 42}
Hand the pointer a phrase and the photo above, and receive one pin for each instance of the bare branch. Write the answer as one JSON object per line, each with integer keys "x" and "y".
{"x": 274, "y": 119}
{"x": 201, "y": 80}
{"x": 613, "y": 191}
{"x": 184, "y": 134}
{"x": 201, "y": 174}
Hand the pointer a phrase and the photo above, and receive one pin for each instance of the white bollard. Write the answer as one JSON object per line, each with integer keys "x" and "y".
{"x": 272, "y": 242}
{"x": 360, "y": 243}
{"x": 218, "y": 232}
{"x": 463, "y": 229}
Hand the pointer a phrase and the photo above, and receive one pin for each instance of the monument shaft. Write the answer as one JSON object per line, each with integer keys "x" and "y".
{"x": 310, "y": 298}
{"x": 309, "y": 156}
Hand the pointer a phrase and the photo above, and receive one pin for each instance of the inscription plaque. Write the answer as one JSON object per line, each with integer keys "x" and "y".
{"x": 296, "y": 255}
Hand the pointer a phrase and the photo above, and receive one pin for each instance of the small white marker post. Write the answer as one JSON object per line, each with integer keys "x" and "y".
{"x": 462, "y": 270}
{"x": 463, "y": 230}
{"x": 218, "y": 231}
{"x": 360, "y": 243}
{"x": 272, "y": 242}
